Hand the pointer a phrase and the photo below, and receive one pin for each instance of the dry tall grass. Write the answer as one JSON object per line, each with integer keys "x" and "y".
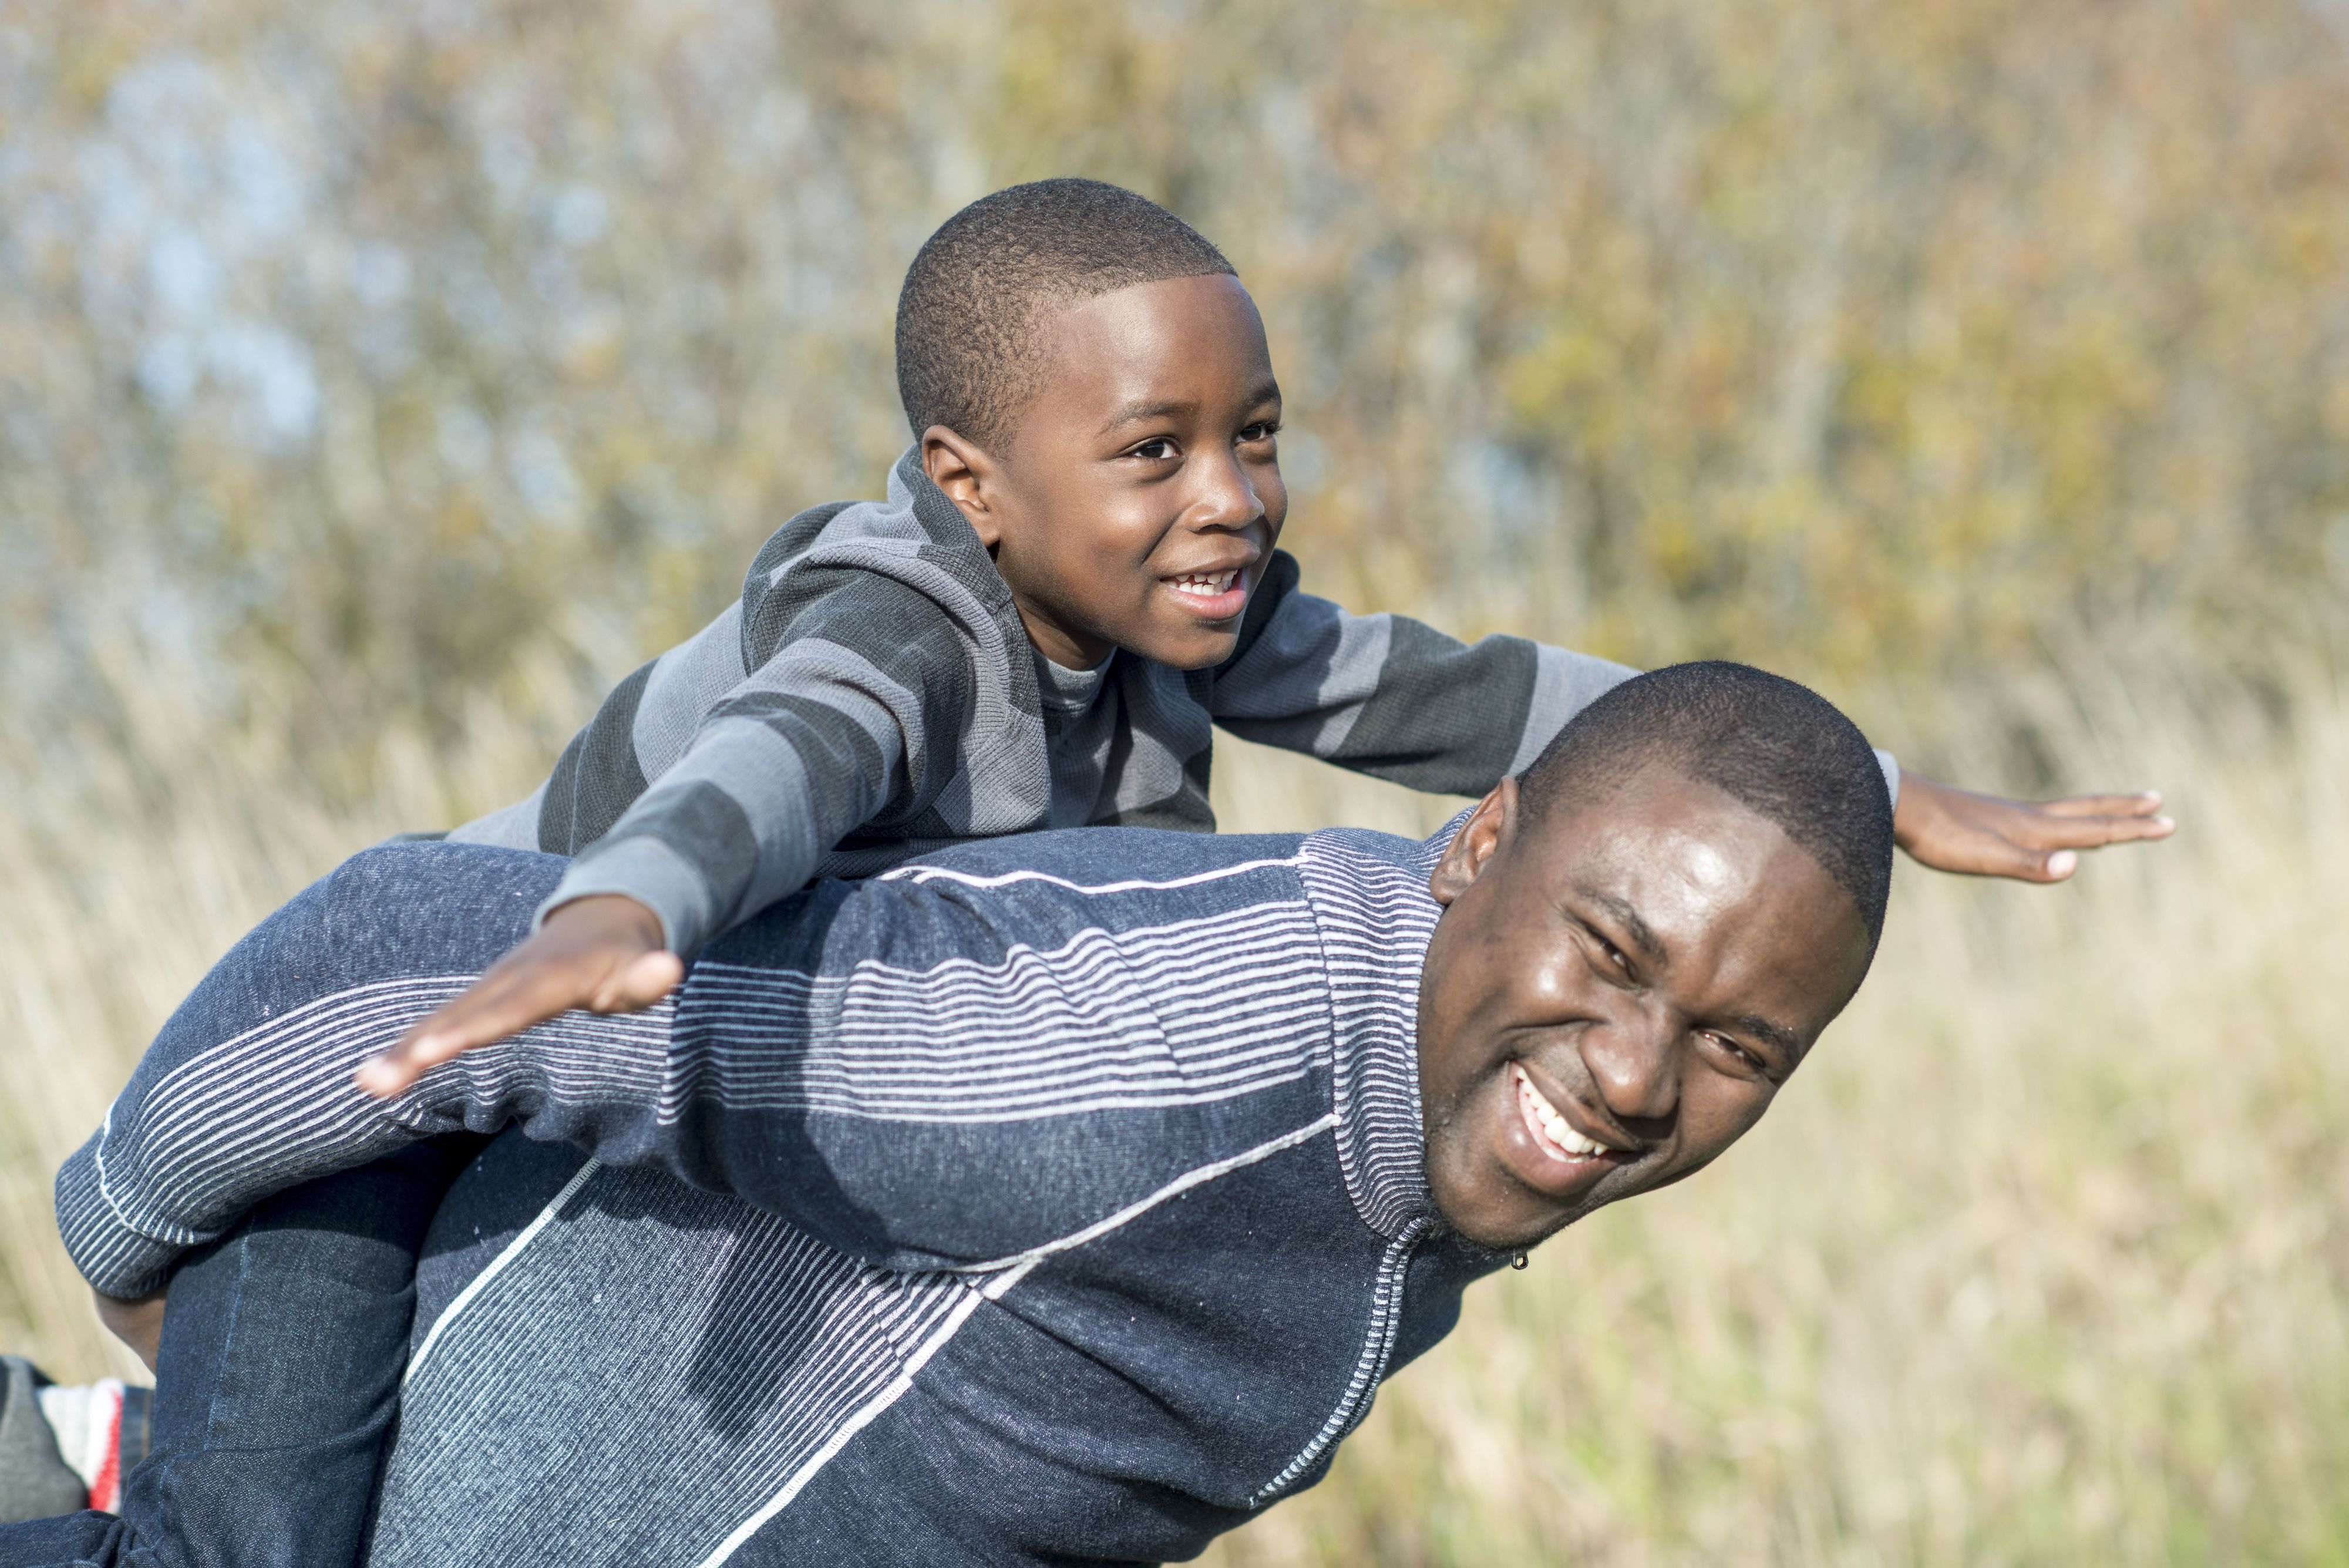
{"x": 2041, "y": 1259}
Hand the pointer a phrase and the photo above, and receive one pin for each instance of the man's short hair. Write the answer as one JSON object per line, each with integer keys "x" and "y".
{"x": 1778, "y": 748}
{"x": 970, "y": 344}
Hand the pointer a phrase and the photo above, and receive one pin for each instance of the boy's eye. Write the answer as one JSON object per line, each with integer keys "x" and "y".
{"x": 1157, "y": 449}
{"x": 1263, "y": 429}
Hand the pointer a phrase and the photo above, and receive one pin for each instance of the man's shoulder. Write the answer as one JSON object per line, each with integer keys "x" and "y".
{"x": 1042, "y": 888}
{"x": 1115, "y": 875}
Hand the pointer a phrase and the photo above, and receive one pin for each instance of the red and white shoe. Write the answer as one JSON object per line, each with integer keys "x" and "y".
{"x": 63, "y": 1448}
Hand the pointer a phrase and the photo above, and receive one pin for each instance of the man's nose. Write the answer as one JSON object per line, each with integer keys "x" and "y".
{"x": 1634, "y": 1062}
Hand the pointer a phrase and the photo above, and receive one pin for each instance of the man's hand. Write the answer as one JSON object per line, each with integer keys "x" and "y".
{"x": 138, "y": 1323}
{"x": 1953, "y": 829}
{"x": 603, "y": 953}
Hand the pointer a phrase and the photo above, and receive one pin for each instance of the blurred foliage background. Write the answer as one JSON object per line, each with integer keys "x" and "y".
{"x": 375, "y": 346}
{"x": 378, "y": 382}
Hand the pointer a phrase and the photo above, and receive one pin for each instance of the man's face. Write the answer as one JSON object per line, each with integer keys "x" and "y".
{"x": 1612, "y": 996}
{"x": 1138, "y": 500}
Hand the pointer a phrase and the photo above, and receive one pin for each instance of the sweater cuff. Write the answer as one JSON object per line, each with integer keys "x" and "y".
{"x": 655, "y": 875}
{"x": 1891, "y": 766}
{"x": 115, "y": 1254}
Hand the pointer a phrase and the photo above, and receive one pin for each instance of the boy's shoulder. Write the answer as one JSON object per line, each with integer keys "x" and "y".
{"x": 915, "y": 521}
{"x": 903, "y": 570}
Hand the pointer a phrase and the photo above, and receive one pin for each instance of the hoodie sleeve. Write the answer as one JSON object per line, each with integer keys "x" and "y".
{"x": 1391, "y": 697}
{"x": 859, "y": 694}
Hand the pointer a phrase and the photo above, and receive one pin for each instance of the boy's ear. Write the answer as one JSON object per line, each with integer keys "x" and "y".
{"x": 1472, "y": 847}
{"x": 971, "y": 479}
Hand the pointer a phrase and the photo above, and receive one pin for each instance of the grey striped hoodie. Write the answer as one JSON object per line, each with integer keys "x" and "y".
{"x": 874, "y": 696}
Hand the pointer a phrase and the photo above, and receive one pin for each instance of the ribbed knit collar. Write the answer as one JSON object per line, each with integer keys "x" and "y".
{"x": 1370, "y": 898}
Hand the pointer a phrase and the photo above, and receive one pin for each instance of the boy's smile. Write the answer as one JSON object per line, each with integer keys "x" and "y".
{"x": 1139, "y": 498}
{"x": 1613, "y": 995}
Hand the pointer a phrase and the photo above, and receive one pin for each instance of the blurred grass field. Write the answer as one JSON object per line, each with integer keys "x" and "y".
{"x": 378, "y": 383}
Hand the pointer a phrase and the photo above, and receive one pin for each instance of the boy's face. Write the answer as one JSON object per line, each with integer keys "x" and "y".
{"x": 1613, "y": 995}
{"x": 1136, "y": 503}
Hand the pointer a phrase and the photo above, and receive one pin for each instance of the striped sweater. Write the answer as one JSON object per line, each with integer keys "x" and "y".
{"x": 874, "y": 695}
{"x": 1051, "y": 1201}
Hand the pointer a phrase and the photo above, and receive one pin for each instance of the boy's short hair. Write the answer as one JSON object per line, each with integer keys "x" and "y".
{"x": 1779, "y": 749}
{"x": 970, "y": 348}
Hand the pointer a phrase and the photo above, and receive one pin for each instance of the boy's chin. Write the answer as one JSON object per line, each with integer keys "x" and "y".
{"x": 1194, "y": 651}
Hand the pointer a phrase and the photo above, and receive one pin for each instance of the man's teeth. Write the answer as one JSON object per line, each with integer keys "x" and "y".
{"x": 1554, "y": 1125}
{"x": 1205, "y": 584}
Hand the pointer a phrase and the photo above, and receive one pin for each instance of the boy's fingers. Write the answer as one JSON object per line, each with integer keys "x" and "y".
{"x": 2142, "y": 804}
{"x": 2091, "y": 832}
{"x": 496, "y": 1007}
{"x": 1998, "y": 856}
{"x": 640, "y": 983}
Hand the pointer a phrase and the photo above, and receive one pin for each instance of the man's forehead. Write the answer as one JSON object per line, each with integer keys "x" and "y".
{"x": 1679, "y": 867}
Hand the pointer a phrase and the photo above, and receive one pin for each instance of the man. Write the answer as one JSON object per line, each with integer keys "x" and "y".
{"x": 1064, "y": 1200}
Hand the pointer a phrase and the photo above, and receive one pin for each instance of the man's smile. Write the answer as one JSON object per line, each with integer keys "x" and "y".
{"x": 1546, "y": 1150}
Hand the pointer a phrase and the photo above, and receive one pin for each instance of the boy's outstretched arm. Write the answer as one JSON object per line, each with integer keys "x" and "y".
{"x": 1386, "y": 696}
{"x": 603, "y": 953}
{"x": 1952, "y": 829}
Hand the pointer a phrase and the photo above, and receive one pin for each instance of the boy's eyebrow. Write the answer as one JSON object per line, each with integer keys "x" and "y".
{"x": 1134, "y": 413}
{"x": 1265, "y": 391}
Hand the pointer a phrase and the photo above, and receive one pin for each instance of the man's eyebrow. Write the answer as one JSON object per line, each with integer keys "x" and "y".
{"x": 1651, "y": 947}
{"x": 1771, "y": 1033}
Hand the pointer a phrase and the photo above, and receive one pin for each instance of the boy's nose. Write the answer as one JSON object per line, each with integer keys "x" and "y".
{"x": 1227, "y": 498}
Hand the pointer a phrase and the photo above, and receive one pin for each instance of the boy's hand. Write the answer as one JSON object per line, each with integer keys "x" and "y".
{"x": 1953, "y": 829}
{"x": 601, "y": 952}
{"x": 138, "y": 1323}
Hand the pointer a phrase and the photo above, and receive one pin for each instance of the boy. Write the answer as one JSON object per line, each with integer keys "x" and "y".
{"x": 1072, "y": 579}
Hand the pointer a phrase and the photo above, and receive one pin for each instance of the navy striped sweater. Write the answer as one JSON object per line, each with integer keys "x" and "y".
{"x": 1047, "y": 1201}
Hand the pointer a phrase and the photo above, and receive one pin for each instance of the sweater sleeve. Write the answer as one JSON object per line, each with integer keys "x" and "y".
{"x": 865, "y": 684}
{"x": 923, "y": 1075}
{"x": 1389, "y": 696}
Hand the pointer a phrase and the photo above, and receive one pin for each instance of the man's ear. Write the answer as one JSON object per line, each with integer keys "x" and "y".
{"x": 971, "y": 479}
{"x": 1487, "y": 829}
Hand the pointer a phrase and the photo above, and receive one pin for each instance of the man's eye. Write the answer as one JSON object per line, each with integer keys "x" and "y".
{"x": 1744, "y": 1058}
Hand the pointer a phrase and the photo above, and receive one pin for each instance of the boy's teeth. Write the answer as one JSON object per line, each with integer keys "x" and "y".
{"x": 1555, "y": 1124}
{"x": 1205, "y": 582}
